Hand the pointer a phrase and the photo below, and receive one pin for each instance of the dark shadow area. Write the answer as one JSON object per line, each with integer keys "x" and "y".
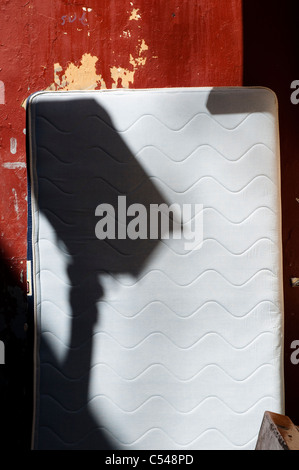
{"x": 271, "y": 59}
{"x": 221, "y": 102}
{"x": 16, "y": 372}
{"x": 82, "y": 161}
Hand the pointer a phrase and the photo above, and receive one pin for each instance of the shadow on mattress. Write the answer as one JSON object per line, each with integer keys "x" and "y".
{"x": 92, "y": 166}
{"x": 220, "y": 101}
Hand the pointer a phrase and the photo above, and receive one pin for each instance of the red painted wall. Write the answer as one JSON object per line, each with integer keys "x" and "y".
{"x": 64, "y": 44}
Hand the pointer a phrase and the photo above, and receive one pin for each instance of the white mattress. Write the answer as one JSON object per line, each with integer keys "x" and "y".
{"x": 150, "y": 343}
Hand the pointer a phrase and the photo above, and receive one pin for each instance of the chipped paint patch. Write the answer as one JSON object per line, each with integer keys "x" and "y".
{"x": 126, "y": 34}
{"x": 14, "y": 165}
{"x": 2, "y": 93}
{"x": 85, "y": 77}
{"x": 123, "y": 77}
{"x": 13, "y": 145}
{"x": 81, "y": 77}
{"x": 139, "y": 60}
{"x": 135, "y": 16}
{"x": 16, "y": 204}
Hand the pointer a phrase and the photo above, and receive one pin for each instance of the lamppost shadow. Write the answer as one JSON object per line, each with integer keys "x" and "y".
{"x": 80, "y": 164}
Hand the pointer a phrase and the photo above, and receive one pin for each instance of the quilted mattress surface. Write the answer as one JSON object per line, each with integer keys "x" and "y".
{"x": 156, "y": 275}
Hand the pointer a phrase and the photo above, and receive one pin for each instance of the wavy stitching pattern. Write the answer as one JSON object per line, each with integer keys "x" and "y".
{"x": 140, "y": 372}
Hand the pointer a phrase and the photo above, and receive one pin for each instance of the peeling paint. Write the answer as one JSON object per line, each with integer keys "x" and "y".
{"x": 2, "y": 93}
{"x": 126, "y": 34}
{"x": 143, "y": 46}
{"x": 14, "y": 165}
{"x": 82, "y": 77}
{"x": 16, "y": 204}
{"x": 13, "y": 145}
{"x": 123, "y": 77}
{"x": 85, "y": 77}
{"x": 137, "y": 61}
{"x": 135, "y": 15}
